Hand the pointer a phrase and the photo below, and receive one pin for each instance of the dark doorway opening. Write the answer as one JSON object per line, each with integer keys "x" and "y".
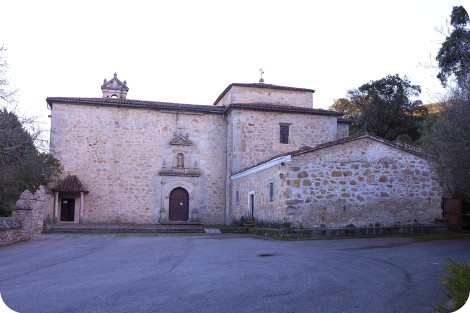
{"x": 251, "y": 213}
{"x": 67, "y": 209}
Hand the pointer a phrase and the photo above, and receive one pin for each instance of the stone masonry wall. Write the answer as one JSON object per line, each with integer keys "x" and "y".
{"x": 10, "y": 230}
{"x": 253, "y": 137}
{"x": 256, "y": 135}
{"x": 363, "y": 182}
{"x": 264, "y": 209}
{"x": 342, "y": 130}
{"x": 240, "y": 94}
{"x": 118, "y": 152}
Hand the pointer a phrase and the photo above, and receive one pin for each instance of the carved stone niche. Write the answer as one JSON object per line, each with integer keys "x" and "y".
{"x": 181, "y": 165}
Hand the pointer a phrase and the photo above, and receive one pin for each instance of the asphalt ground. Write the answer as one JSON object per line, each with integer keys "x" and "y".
{"x": 224, "y": 273}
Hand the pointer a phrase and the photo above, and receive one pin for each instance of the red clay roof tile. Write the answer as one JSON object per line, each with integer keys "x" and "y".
{"x": 307, "y": 149}
{"x": 188, "y": 107}
{"x": 135, "y": 103}
{"x": 70, "y": 183}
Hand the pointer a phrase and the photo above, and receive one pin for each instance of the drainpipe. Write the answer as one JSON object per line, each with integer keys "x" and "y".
{"x": 226, "y": 170}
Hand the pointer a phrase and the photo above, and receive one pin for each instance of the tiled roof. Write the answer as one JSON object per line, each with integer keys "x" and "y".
{"x": 187, "y": 107}
{"x": 135, "y": 103}
{"x": 408, "y": 148}
{"x": 261, "y": 85}
{"x": 307, "y": 149}
{"x": 281, "y": 108}
{"x": 70, "y": 183}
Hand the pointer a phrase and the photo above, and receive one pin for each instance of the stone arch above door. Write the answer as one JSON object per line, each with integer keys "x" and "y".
{"x": 190, "y": 186}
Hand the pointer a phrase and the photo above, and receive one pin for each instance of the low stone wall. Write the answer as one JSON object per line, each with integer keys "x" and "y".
{"x": 29, "y": 216}
{"x": 19, "y": 226}
{"x": 42, "y": 206}
{"x": 10, "y": 229}
{"x": 357, "y": 232}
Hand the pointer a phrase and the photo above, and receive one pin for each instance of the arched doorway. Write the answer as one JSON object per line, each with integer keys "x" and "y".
{"x": 179, "y": 205}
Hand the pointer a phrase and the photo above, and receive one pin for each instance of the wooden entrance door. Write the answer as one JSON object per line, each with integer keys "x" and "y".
{"x": 452, "y": 210}
{"x": 67, "y": 209}
{"x": 179, "y": 205}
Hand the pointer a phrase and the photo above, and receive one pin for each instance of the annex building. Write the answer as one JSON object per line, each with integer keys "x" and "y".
{"x": 260, "y": 151}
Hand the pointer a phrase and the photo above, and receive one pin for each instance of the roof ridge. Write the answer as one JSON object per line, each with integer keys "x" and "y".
{"x": 198, "y": 107}
{"x": 100, "y": 99}
{"x": 360, "y": 135}
{"x": 307, "y": 149}
{"x": 135, "y": 103}
{"x": 266, "y": 105}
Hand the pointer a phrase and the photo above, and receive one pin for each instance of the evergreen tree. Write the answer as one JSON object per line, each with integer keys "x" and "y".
{"x": 385, "y": 107}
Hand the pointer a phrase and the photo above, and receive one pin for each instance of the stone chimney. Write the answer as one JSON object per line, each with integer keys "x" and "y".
{"x": 114, "y": 88}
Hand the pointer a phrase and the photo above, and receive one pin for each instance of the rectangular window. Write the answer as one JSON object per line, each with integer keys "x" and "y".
{"x": 284, "y": 133}
{"x": 271, "y": 191}
{"x": 251, "y": 206}
{"x": 236, "y": 196}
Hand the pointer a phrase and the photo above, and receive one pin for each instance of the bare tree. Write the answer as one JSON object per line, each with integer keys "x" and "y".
{"x": 446, "y": 138}
{"x": 446, "y": 135}
{"x": 7, "y": 95}
{"x": 23, "y": 161}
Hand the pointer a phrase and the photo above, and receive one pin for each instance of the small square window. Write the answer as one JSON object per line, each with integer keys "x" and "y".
{"x": 284, "y": 134}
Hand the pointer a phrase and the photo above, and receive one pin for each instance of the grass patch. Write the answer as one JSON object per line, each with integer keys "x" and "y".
{"x": 457, "y": 285}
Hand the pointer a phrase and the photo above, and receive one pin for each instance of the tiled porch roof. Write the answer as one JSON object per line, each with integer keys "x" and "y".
{"x": 70, "y": 183}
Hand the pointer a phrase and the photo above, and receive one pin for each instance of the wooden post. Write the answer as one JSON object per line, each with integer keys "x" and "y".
{"x": 56, "y": 207}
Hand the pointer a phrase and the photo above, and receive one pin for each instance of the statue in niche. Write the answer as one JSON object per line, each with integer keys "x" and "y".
{"x": 180, "y": 160}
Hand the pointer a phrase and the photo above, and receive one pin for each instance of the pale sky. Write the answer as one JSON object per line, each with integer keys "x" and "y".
{"x": 189, "y": 51}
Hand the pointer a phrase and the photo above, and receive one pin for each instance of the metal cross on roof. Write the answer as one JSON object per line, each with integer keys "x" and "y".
{"x": 261, "y": 80}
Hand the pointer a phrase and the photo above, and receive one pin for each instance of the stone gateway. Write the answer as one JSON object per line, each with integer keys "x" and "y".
{"x": 260, "y": 152}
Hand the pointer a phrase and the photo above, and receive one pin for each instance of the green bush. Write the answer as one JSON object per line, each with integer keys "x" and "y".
{"x": 457, "y": 284}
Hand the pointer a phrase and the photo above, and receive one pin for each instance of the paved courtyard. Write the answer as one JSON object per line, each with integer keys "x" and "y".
{"x": 224, "y": 273}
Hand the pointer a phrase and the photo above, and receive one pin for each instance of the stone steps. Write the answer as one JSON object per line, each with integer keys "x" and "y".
{"x": 143, "y": 229}
{"x": 318, "y": 233}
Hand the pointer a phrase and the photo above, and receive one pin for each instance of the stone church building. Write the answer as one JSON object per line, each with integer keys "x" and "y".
{"x": 260, "y": 151}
